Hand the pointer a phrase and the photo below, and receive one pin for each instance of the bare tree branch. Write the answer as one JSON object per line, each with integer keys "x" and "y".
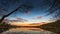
{"x": 8, "y": 14}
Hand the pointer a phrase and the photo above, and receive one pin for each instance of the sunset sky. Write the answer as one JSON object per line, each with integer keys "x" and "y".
{"x": 35, "y": 15}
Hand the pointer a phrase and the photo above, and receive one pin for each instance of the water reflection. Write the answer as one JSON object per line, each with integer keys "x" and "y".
{"x": 24, "y": 30}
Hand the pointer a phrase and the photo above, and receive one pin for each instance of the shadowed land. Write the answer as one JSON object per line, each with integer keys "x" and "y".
{"x": 5, "y": 27}
{"x": 53, "y": 27}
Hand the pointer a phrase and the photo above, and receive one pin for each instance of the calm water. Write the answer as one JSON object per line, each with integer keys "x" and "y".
{"x": 24, "y": 30}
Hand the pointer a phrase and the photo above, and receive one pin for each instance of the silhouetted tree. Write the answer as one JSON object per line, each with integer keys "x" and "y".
{"x": 23, "y": 6}
{"x": 8, "y": 15}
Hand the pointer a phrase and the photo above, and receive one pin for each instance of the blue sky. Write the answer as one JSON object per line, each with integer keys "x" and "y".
{"x": 35, "y": 14}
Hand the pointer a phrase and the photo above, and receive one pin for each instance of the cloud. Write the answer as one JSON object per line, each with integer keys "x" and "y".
{"x": 37, "y": 17}
{"x": 21, "y": 19}
{"x": 16, "y": 20}
{"x": 27, "y": 12}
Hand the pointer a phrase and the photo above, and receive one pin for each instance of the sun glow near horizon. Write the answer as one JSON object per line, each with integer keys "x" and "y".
{"x": 26, "y": 23}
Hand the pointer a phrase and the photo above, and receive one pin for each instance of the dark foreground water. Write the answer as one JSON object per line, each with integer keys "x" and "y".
{"x": 24, "y": 30}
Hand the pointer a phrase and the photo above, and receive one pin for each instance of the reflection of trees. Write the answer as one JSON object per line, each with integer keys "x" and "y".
{"x": 53, "y": 27}
{"x": 4, "y": 27}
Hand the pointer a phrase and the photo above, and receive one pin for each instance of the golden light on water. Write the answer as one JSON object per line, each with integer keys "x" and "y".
{"x": 26, "y": 29}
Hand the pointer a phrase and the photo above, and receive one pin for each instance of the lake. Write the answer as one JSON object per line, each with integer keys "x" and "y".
{"x": 25, "y": 30}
